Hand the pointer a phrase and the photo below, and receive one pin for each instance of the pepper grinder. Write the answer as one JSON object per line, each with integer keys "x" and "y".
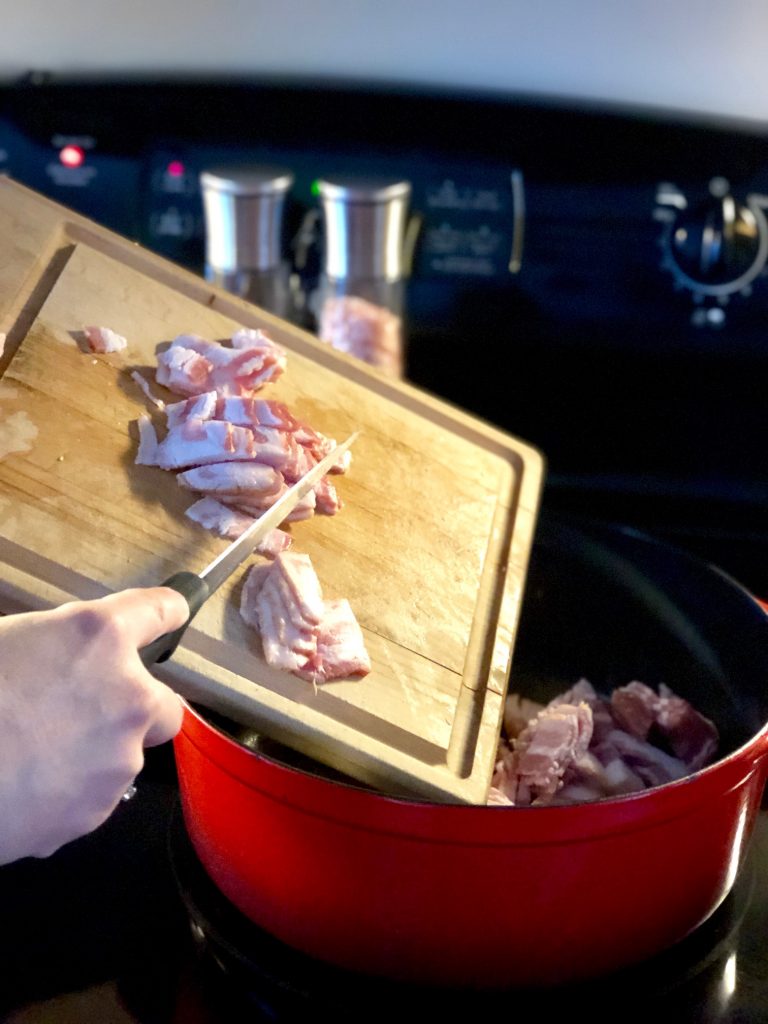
{"x": 243, "y": 209}
{"x": 360, "y": 298}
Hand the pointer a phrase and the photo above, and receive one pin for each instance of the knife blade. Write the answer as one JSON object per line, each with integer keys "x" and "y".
{"x": 196, "y": 588}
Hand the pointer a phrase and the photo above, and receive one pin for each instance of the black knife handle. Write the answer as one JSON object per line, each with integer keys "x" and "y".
{"x": 196, "y": 592}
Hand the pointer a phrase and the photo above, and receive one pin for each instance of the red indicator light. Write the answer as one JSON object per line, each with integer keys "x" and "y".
{"x": 71, "y": 156}
{"x": 175, "y": 169}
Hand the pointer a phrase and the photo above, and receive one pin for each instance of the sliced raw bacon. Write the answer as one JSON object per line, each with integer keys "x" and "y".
{"x": 184, "y": 370}
{"x": 340, "y": 646}
{"x": 692, "y": 737}
{"x": 192, "y": 365}
{"x": 242, "y": 411}
{"x": 253, "y": 507}
{"x": 546, "y": 747}
{"x": 274, "y": 543}
{"x": 256, "y": 412}
{"x": 269, "y": 601}
{"x": 298, "y": 583}
{"x": 254, "y": 581}
{"x": 300, "y": 632}
{"x": 197, "y": 407}
{"x": 653, "y": 765}
{"x": 213, "y": 378}
{"x": 327, "y": 500}
{"x": 104, "y": 339}
{"x": 229, "y": 522}
{"x": 635, "y": 707}
{"x": 639, "y": 738}
{"x": 240, "y": 453}
{"x": 268, "y": 446}
{"x": 199, "y": 442}
{"x": 245, "y": 479}
{"x": 276, "y": 448}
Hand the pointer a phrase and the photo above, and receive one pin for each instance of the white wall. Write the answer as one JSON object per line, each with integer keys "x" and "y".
{"x": 697, "y": 55}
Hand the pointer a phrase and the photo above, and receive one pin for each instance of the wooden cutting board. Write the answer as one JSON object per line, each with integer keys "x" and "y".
{"x": 431, "y": 546}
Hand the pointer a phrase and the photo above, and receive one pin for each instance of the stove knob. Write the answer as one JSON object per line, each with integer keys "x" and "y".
{"x": 717, "y": 247}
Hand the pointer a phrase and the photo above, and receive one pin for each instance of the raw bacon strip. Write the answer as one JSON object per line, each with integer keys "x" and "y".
{"x": 274, "y": 447}
{"x": 287, "y": 636}
{"x": 254, "y": 581}
{"x": 198, "y": 407}
{"x": 327, "y": 500}
{"x": 340, "y": 646}
{"x": 603, "y": 720}
{"x": 304, "y": 510}
{"x": 635, "y": 707}
{"x": 300, "y": 462}
{"x": 550, "y": 744}
{"x": 301, "y": 633}
{"x": 243, "y": 479}
{"x": 589, "y": 775}
{"x": 320, "y": 446}
{"x": 277, "y": 652}
{"x": 303, "y": 586}
{"x": 230, "y": 523}
{"x": 183, "y": 370}
{"x": 271, "y": 447}
{"x": 104, "y": 339}
{"x": 242, "y": 411}
{"x": 192, "y": 365}
{"x": 692, "y": 737}
{"x": 652, "y": 765}
{"x": 622, "y": 756}
{"x": 211, "y": 514}
{"x": 274, "y": 543}
{"x": 255, "y": 338}
{"x": 199, "y": 442}
{"x": 256, "y": 412}
{"x": 148, "y": 446}
{"x": 253, "y": 503}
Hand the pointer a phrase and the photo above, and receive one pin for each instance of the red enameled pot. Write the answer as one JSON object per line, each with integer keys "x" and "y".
{"x": 495, "y": 896}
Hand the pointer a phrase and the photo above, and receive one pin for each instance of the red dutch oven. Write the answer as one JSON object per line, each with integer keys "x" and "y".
{"x": 495, "y": 896}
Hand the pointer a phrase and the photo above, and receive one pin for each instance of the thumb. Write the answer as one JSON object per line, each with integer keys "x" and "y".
{"x": 146, "y": 613}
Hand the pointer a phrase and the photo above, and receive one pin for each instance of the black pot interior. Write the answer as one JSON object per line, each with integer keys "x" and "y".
{"x": 613, "y": 605}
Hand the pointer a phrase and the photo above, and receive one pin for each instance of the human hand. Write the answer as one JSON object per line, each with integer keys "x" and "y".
{"x": 77, "y": 708}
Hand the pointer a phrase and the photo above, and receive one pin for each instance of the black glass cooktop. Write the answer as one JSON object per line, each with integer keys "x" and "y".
{"x": 124, "y": 927}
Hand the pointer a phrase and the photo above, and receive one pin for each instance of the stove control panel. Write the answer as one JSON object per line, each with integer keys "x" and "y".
{"x": 529, "y": 224}
{"x": 715, "y": 246}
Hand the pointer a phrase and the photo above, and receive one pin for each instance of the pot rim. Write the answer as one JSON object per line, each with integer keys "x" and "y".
{"x": 650, "y": 806}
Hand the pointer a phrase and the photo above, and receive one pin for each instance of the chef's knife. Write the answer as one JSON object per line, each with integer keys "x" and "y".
{"x": 196, "y": 588}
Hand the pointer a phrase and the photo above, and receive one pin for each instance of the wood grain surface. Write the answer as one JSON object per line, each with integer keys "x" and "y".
{"x": 431, "y": 546}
